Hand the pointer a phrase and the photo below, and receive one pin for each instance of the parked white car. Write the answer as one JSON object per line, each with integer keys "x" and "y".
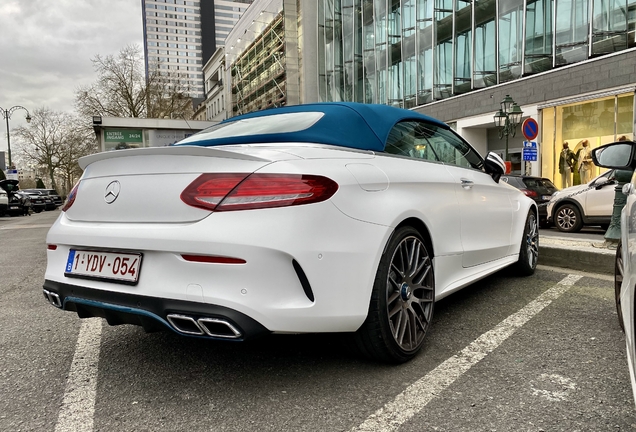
{"x": 588, "y": 204}
{"x": 4, "y": 203}
{"x": 334, "y": 217}
{"x": 622, "y": 155}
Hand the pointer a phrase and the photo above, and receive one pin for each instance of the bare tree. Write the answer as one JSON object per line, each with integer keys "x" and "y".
{"x": 54, "y": 141}
{"x": 122, "y": 89}
{"x": 28, "y": 183}
{"x": 79, "y": 142}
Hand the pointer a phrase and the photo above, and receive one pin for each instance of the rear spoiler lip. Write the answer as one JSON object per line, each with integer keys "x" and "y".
{"x": 169, "y": 150}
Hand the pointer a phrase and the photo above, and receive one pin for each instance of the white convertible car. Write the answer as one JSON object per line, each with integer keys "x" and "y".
{"x": 331, "y": 217}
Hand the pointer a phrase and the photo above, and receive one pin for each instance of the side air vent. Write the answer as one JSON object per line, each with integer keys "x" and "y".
{"x": 304, "y": 282}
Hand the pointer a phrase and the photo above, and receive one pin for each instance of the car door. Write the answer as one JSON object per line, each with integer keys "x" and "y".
{"x": 486, "y": 216}
{"x": 485, "y": 207}
{"x": 599, "y": 201}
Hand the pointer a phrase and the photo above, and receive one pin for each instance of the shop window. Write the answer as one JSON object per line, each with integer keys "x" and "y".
{"x": 596, "y": 122}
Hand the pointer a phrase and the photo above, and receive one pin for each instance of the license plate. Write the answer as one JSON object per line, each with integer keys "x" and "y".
{"x": 14, "y": 207}
{"x": 547, "y": 197}
{"x": 109, "y": 266}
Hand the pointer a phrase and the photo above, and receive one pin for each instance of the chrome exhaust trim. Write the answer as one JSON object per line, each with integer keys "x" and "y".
{"x": 211, "y": 326}
{"x": 52, "y": 298}
{"x": 185, "y": 324}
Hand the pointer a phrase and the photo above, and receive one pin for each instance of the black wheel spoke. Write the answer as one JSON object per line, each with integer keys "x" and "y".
{"x": 393, "y": 297}
{"x": 396, "y": 309}
{"x": 397, "y": 270}
{"x": 419, "y": 280}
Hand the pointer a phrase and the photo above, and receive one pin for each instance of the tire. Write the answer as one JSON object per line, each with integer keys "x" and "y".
{"x": 402, "y": 300}
{"x": 568, "y": 218}
{"x": 529, "y": 252}
{"x": 618, "y": 281}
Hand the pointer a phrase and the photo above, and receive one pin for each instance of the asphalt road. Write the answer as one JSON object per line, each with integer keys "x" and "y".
{"x": 543, "y": 353}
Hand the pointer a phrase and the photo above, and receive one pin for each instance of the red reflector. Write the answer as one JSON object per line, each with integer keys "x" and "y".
{"x": 213, "y": 259}
{"x": 51, "y": 247}
{"x": 529, "y": 193}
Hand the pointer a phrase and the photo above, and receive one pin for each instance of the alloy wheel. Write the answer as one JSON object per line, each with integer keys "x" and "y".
{"x": 410, "y": 293}
{"x": 566, "y": 218}
{"x": 532, "y": 241}
{"x": 618, "y": 281}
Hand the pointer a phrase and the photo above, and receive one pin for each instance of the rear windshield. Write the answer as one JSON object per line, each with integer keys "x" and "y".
{"x": 513, "y": 181}
{"x": 274, "y": 124}
{"x": 541, "y": 186}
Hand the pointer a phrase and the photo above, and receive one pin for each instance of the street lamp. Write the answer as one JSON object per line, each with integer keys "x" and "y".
{"x": 507, "y": 119}
{"x": 6, "y": 114}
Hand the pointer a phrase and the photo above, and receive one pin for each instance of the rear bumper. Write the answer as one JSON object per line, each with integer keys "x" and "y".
{"x": 306, "y": 269}
{"x": 151, "y": 313}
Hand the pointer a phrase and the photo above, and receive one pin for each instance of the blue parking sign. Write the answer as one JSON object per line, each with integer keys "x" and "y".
{"x": 529, "y": 151}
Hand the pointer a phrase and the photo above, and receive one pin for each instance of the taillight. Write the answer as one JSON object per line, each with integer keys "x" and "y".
{"x": 71, "y": 198}
{"x": 228, "y": 192}
{"x": 530, "y": 193}
{"x": 207, "y": 190}
{"x": 51, "y": 247}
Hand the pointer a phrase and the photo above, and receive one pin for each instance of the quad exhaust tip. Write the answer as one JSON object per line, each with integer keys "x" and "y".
{"x": 52, "y": 298}
{"x": 213, "y": 327}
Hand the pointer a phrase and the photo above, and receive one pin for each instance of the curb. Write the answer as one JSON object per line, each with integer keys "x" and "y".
{"x": 578, "y": 255}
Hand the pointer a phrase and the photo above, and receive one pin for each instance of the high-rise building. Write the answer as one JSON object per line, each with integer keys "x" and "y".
{"x": 181, "y": 35}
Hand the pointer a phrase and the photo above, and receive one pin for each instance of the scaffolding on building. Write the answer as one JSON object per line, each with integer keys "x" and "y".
{"x": 258, "y": 74}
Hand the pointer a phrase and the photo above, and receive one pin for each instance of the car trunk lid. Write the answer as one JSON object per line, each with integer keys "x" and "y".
{"x": 145, "y": 185}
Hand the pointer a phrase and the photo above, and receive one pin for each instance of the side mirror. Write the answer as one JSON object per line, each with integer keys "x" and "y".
{"x": 495, "y": 166}
{"x": 618, "y": 155}
{"x": 603, "y": 184}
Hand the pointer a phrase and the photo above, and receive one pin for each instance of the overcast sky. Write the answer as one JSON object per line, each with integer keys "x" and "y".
{"x": 46, "y": 48}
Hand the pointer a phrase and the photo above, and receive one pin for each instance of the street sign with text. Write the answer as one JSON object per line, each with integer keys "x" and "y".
{"x": 529, "y": 151}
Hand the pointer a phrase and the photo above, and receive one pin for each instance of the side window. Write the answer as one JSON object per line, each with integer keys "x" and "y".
{"x": 421, "y": 140}
{"x": 405, "y": 139}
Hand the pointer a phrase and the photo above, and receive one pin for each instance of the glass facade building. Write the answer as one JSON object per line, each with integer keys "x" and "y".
{"x": 409, "y": 53}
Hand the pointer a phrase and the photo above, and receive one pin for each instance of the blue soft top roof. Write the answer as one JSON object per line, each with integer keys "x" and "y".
{"x": 345, "y": 124}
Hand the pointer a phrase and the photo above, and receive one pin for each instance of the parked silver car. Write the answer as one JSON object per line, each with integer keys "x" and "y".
{"x": 587, "y": 204}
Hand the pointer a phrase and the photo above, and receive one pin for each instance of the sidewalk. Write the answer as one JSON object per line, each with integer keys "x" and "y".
{"x": 582, "y": 255}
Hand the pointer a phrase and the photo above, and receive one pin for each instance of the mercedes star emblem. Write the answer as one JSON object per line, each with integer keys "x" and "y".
{"x": 112, "y": 192}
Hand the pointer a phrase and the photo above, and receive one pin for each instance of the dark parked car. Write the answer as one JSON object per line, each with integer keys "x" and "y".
{"x": 57, "y": 199}
{"x": 38, "y": 201}
{"x": 17, "y": 202}
{"x": 49, "y": 200}
{"x": 538, "y": 188}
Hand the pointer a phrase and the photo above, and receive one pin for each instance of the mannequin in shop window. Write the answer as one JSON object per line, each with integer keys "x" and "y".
{"x": 566, "y": 164}
{"x": 576, "y": 175}
{"x": 584, "y": 164}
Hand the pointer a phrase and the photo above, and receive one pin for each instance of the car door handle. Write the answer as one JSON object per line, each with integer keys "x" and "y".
{"x": 467, "y": 184}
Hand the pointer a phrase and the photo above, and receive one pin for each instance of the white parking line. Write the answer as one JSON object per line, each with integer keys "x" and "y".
{"x": 78, "y": 406}
{"x": 419, "y": 394}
